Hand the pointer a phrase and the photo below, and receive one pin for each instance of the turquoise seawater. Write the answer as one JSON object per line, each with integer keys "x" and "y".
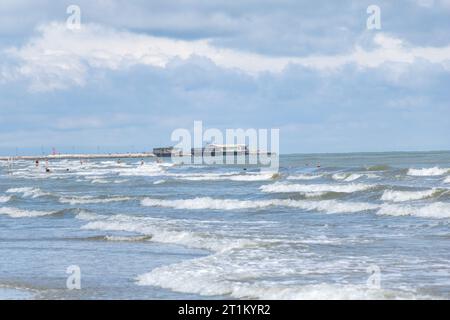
{"x": 360, "y": 226}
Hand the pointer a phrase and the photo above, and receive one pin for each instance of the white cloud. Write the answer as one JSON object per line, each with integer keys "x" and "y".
{"x": 59, "y": 58}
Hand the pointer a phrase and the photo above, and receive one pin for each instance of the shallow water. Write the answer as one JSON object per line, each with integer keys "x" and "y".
{"x": 160, "y": 231}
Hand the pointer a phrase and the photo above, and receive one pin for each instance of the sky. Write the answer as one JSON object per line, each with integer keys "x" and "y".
{"x": 137, "y": 70}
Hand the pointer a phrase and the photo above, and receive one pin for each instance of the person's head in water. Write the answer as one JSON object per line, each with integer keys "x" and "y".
{"x": 47, "y": 170}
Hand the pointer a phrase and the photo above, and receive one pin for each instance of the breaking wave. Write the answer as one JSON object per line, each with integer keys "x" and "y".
{"x": 279, "y": 187}
{"x": 20, "y": 213}
{"x": 91, "y": 200}
{"x": 28, "y": 192}
{"x": 151, "y": 170}
{"x": 435, "y": 171}
{"x": 400, "y": 196}
{"x": 328, "y": 206}
{"x": 439, "y": 210}
{"x": 4, "y": 199}
{"x": 120, "y": 238}
{"x": 304, "y": 176}
{"x": 212, "y": 282}
{"x": 160, "y": 230}
{"x": 348, "y": 177}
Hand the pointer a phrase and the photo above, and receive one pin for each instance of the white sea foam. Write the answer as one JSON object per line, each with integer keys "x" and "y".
{"x": 20, "y": 213}
{"x": 91, "y": 200}
{"x": 100, "y": 181}
{"x": 400, "y": 196}
{"x": 435, "y": 210}
{"x": 230, "y": 274}
{"x": 206, "y": 285}
{"x": 280, "y": 187}
{"x": 150, "y": 169}
{"x": 159, "y": 181}
{"x": 121, "y": 181}
{"x": 4, "y": 199}
{"x": 447, "y": 179}
{"x": 328, "y": 206}
{"x": 160, "y": 230}
{"x": 435, "y": 171}
{"x": 348, "y": 177}
{"x": 301, "y": 176}
{"x": 127, "y": 238}
{"x": 28, "y": 192}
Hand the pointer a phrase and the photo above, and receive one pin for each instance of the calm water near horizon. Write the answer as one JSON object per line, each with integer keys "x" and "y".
{"x": 164, "y": 231}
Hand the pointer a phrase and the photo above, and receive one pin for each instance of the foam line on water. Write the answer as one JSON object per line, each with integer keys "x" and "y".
{"x": 92, "y": 200}
{"x": 400, "y": 196}
{"x": 203, "y": 203}
{"x": 281, "y": 187}
{"x": 227, "y": 274}
{"x": 28, "y": 192}
{"x": 4, "y": 199}
{"x": 440, "y": 210}
{"x": 21, "y": 213}
{"x": 435, "y": 171}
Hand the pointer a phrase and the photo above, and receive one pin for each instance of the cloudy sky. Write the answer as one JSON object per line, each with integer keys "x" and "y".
{"x": 137, "y": 70}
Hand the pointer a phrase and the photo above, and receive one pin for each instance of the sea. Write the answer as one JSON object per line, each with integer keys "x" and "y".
{"x": 324, "y": 226}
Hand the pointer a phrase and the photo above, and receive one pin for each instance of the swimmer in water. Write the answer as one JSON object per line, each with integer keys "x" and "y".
{"x": 37, "y": 163}
{"x": 142, "y": 162}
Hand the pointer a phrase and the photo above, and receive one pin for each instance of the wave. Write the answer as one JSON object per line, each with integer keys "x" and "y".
{"x": 447, "y": 179}
{"x": 276, "y": 274}
{"x": 328, "y": 206}
{"x": 28, "y": 192}
{"x": 435, "y": 171}
{"x": 439, "y": 210}
{"x": 121, "y": 181}
{"x": 161, "y": 230}
{"x": 20, "y": 213}
{"x": 159, "y": 181}
{"x": 4, "y": 199}
{"x": 187, "y": 278}
{"x": 400, "y": 196}
{"x": 301, "y": 176}
{"x": 378, "y": 167}
{"x": 308, "y": 188}
{"x": 151, "y": 170}
{"x": 119, "y": 238}
{"x": 348, "y": 177}
{"x": 91, "y": 200}
{"x": 99, "y": 181}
